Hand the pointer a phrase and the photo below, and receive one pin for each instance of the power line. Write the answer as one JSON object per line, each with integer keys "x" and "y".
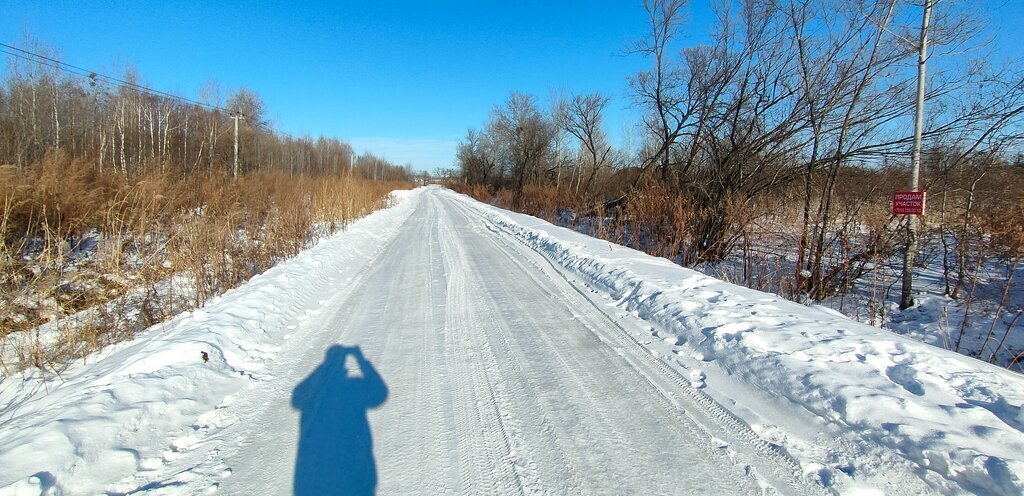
{"x": 94, "y": 75}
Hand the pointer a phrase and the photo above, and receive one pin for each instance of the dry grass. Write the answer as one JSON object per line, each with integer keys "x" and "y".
{"x": 479, "y": 192}
{"x": 113, "y": 252}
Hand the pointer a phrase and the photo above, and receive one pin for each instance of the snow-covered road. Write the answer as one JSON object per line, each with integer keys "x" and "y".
{"x": 493, "y": 376}
{"x": 446, "y": 346}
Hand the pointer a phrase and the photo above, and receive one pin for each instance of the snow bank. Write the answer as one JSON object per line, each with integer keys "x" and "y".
{"x": 107, "y": 418}
{"x": 849, "y": 401}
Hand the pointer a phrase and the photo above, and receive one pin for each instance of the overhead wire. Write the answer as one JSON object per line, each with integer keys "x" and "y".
{"x": 95, "y": 75}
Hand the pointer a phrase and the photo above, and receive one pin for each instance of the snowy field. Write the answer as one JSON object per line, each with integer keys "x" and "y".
{"x": 443, "y": 345}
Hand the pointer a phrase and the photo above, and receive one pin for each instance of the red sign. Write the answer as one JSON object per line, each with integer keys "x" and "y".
{"x": 908, "y": 203}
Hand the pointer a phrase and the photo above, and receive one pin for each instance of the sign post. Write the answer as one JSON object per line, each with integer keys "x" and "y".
{"x": 908, "y": 203}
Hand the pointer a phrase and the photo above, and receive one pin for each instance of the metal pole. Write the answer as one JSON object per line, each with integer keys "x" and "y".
{"x": 907, "y": 293}
{"x": 234, "y": 172}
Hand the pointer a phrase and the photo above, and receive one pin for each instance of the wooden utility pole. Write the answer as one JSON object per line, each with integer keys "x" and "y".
{"x": 234, "y": 170}
{"x": 907, "y": 295}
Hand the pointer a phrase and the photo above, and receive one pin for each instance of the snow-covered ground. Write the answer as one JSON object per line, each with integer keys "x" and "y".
{"x": 985, "y": 321}
{"x": 445, "y": 345}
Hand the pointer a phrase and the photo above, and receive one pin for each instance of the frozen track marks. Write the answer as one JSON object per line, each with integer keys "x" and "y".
{"x": 444, "y": 346}
{"x": 498, "y": 376}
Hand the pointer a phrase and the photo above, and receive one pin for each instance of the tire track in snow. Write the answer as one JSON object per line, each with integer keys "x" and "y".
{"x": 569, "y": 365}
{"x": 412, "y": 453}
{"x": 483, "y": 440}
{"x": 514, "y": 386}
{"x": 237, "y": 428}
{"x": 782, "y": 467}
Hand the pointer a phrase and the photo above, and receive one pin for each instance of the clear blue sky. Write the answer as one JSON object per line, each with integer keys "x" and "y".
{"x": 401, "y": 79}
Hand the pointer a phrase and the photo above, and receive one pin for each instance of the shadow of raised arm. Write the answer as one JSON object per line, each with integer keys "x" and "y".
{"x": 335, "y": 453}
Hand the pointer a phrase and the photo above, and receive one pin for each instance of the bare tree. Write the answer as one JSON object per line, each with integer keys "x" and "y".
{"x": 859, "y": 108}
{"x": 660, "y": 89}
{"x": 476, "y": 158}
{"x": 582, "y": 117}
{"x": 523, "y": 138}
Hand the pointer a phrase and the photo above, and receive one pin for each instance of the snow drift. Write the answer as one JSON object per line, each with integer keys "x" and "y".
{"x": 137, "y": 405}
{"x": 852, "y": 404}
{"x": 847, "y": 399}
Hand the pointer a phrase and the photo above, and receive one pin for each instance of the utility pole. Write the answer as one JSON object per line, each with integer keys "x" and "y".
{"x": 907, "y": 295}
{"x": 234, "y": 171}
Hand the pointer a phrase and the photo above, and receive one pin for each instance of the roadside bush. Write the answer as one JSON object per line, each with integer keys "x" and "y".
{"x": 95, "y": 258}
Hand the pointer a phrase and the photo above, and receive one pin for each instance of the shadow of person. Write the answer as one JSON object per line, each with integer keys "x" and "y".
{"x": 335, "y": 447}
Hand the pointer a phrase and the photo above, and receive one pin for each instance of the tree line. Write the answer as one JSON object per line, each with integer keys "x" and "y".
{"x": 119, "y": 126}
{"x": 797, "y": 106}
{"x": 122, "y": 206}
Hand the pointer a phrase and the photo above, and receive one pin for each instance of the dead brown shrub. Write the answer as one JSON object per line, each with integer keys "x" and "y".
{"x": 541, "y": 201}
{"x": 212, "y": 230}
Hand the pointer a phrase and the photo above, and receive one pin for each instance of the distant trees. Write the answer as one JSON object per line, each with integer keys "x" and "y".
{"x": 784, "y": 106}
{"x": 476, "y": 157}
{"x": 524, "y": 141}
{"x": 109, "y": 191}
{"x": 582, "y": 117}
{"x": 523, "y": 147}
{"x": 123, "y": 129}
{"x": 515, "y": 151}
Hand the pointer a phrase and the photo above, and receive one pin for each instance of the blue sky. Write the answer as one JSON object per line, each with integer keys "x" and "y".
{"x": 401, "y": 79}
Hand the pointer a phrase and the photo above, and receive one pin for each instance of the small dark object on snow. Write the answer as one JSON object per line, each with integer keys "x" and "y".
{"x": 206, "y": 357}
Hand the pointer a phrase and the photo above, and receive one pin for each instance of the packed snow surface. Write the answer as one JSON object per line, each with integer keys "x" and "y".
{"x": 443, "y": 345}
